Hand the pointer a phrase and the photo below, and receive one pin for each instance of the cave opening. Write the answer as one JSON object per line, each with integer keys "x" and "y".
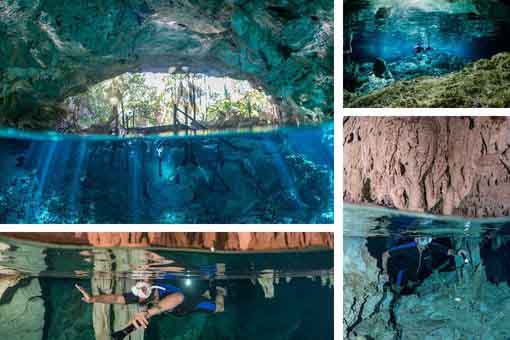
{"x": 171, "y": 102}
{"x": 133, "y": 84}
{"x": 55, "y": 51}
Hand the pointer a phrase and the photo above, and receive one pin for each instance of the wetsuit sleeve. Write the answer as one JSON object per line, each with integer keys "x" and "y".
{"x": 402, "y": 247}
{"x": 131, "y": 298}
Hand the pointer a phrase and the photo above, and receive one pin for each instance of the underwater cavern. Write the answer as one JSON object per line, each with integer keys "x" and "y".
{"x": 458, "y": 293}
{"x": 430, "y": 53}
{"x": 166, "y": 112}
{"x": 426, "y": 241}
{"x": 279, "y": 285}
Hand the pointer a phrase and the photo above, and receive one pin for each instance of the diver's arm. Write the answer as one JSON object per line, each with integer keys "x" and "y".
{"x": 169, "y": 302}
{"x": 107, "y": 299}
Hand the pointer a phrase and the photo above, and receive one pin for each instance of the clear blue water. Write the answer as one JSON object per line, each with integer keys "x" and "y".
{"x": 282, "y": 175}
{"x": 38, "y": 299}
{"x": 440, "y": 295}
{"x": 457, "y": 33}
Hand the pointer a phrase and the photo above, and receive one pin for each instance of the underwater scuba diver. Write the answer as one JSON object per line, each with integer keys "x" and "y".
{"x": 406, "y": 265}
{"x": 174, "y": 295}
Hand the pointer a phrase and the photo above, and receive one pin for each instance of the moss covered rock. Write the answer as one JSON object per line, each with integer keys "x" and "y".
{"x": 485, "y": 83}
{"x": 51, "y": 50}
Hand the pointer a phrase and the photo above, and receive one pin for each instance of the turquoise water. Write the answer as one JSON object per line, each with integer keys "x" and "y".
{"x": 463, "y": 294}
{"x": 285, "y": 295}
{"x": 273, "y": 175}
{"x": 420, "y": 38}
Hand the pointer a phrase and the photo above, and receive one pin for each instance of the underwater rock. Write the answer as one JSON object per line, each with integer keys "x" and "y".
{"x": 219, "y": 241}
{"x": 51, "y": 51}
{"x": 362, "y": 79}
{"x": 8, "y": 280}
{"x": 363, "y": 293}
{"x": 380, "y": 69}
{"x": 447, "y": 305}
{"x": 444, "y": 165}
{"x": 382, "y": 13}
{"x": 23, "y": 315}
{"x": 242, "y": 179}
{"x": 484, "y": 83}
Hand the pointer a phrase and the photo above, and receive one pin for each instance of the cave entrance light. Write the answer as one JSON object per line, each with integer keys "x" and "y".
{"x": 144, "y": 103}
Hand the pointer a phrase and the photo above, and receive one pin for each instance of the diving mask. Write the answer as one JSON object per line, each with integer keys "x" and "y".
{"x": 143, "y": 290}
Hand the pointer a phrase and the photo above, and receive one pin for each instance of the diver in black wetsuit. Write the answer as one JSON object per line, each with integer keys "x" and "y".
{"x": 178, "y": 296}
{"x": 407, "y": 264}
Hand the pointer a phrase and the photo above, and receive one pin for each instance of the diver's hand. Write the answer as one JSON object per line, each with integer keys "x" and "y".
{"x": 86, "y": 296}
{"x": 140, "y": 320}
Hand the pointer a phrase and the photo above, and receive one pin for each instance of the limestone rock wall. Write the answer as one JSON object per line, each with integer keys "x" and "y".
{"x": 444, "y": 165}
{"x": 362, "y": 292}
{"x": 447, "y": 305}
{"x": 51, "y": 50}
{"x": 22, "y": 310}
{"x": 220, "y": 241}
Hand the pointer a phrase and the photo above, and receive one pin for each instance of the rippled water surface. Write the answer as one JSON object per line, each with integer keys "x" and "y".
{"x": 282, "y": 175}
{"x": 457, "y": 287}
{"x": 278, "y": 295}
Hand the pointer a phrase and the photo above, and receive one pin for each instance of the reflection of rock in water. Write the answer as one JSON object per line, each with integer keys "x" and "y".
{"x": 110, "y": 318}
{"x": 266, "y": 280}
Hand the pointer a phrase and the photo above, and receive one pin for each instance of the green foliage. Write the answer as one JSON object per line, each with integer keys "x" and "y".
{"x": 253, "y": 104}
{"x": 140, "y": 103}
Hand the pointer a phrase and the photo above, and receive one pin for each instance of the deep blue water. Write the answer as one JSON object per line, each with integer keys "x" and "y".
{"x": 457, "y": 33}
{"x": 41, "y": 301}
{"x": 281, "y": 175}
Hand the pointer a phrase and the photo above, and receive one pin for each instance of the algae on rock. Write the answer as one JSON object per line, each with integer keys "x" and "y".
{"x": 53, "y": 50}
{"x": 485, "y": 83}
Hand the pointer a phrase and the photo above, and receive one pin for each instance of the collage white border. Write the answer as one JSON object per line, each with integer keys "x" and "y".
{"x": 336, "y": 228}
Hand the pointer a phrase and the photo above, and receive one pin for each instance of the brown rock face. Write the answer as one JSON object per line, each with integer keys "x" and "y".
{"x": 220, "y": 241}
{"x": 444, "y": 165}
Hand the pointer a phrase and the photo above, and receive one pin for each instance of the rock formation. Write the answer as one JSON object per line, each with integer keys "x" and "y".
{"x": 207, "y": 241}
{"x": 481, "y": 84}
{"x": 447, "y": 305}
{"x": 52, "y": 50}
{"x": 23, "y": 312}
{"x": 245, "y": 178}
{"x": 444, "y": 165}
